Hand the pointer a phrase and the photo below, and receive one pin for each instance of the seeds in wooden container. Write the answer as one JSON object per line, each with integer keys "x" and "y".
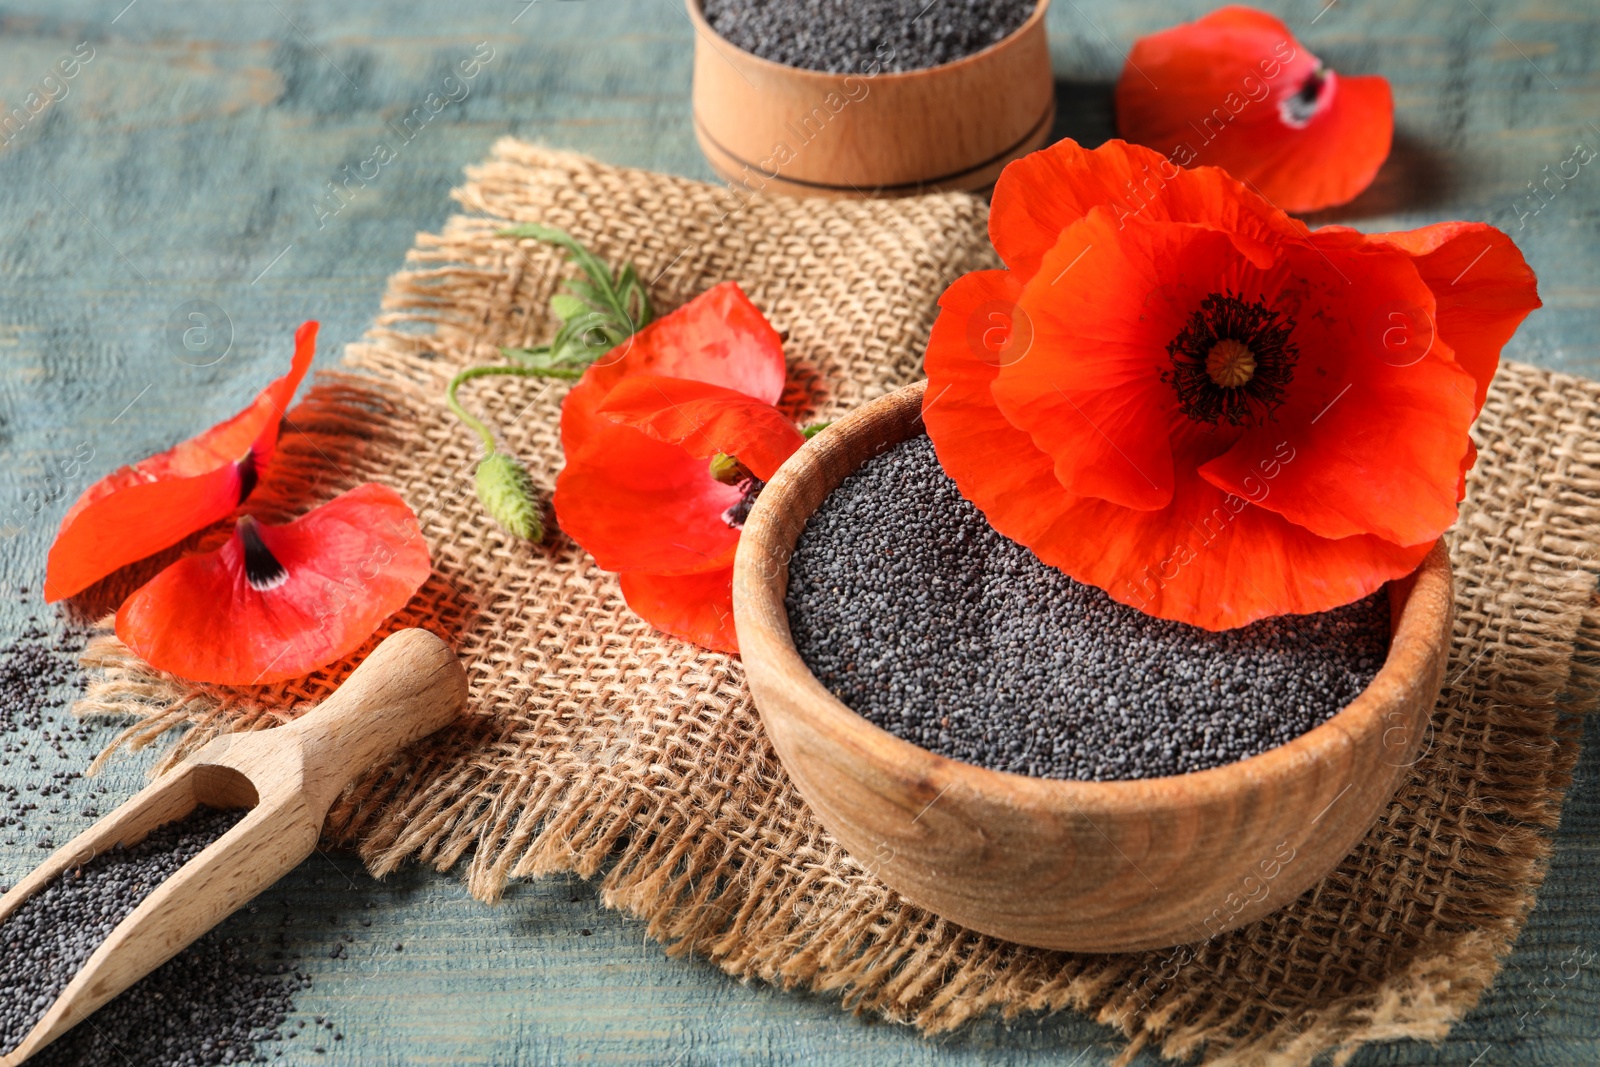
{"x": 919, "y": 616}
{"x": 865, "y": 36}
{"x": 47, "y": 940}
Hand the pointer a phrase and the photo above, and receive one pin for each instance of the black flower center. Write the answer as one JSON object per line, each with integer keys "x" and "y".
{"x": 1232, "y": 361}
{"x": 740, "y": 511}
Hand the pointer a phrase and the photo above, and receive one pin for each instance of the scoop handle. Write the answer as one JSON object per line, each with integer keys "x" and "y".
{"x": 412, "y": 685}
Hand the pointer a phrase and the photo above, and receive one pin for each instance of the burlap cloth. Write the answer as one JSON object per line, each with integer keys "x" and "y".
{"x": 600, "y": 747}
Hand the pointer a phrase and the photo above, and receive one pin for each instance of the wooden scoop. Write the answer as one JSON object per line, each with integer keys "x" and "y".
{"x": 411, "y": 686}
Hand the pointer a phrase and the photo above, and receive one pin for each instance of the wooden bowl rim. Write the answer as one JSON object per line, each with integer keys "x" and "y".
{"x": 698, "y": 19}
{"x": 1411, "y": 646}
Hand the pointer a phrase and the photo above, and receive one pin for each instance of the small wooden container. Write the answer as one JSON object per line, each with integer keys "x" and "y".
{"x": 768, "y": 127}
{"x": 1085, "y": 866}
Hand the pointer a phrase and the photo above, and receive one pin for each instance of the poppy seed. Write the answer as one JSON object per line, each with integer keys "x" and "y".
{"x": 865, "y": 36}
{"x": 217, "y": 1002}
{"x": 52, "y": 934}
{"x": 917, "y": 614}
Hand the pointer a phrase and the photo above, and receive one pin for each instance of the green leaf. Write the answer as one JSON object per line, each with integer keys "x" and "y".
{"x": 593, "y": 295}
{"x": 568, "y": 307}
{"x": 598, "y": 311}
{"x": 507, "y": 494}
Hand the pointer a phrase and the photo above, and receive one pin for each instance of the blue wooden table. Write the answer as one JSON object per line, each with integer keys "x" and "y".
{"x": 187, "y": 159}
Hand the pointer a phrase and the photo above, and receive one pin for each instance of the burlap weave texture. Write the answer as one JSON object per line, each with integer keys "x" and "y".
{"x": 600, "y": 746}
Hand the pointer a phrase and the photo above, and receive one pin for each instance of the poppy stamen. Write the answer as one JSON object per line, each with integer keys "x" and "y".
{"x": 740, "y": 511}
{"x": 261, "y": 568}
{"x": 1232, "y": 362}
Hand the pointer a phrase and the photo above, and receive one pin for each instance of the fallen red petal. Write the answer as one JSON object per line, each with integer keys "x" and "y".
{"x": 1236, "y": 90}
{"x": 322, "y": 587}
{"x": 139, "y": 510}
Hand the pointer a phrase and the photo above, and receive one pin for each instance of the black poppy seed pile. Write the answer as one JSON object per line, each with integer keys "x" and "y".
{"x": 917, "y": 614}
{"x": 47, "y": 940}
{"x": 211, "y": 1004}
{"x": 865, "y": 36}
{"x": 227, "y": 999}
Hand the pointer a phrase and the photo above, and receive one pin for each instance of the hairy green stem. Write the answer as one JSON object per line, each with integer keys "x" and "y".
{"x": 468, "y": 375}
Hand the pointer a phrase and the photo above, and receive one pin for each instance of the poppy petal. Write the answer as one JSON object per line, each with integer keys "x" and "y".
{"x": 1481, "y": 283}
{"x": 1372, "y": 435}
{"x": 1041, "y": 194}
{"x": 1211, "y": 559}
{"x": 643, "y": 505}
{"x": 1240, "y": 17}
{"x": 705, "y": 419}
{"x": 635, "y": 503}
{"x": 326, "y": 582}
{"x": 695, "y": 607}
{"x": 139, "y": 510}
{"x": 1236, "y": 90}
{"x": 719, "y": 337}
{"x": 1330, "y": 161}
{"x": 986, "y": 455}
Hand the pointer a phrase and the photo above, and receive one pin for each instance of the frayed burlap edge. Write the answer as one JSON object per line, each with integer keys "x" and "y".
{"x": 667, "y": 790}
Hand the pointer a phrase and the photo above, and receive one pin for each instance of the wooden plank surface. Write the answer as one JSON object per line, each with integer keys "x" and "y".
{"x": 188, "y": 160}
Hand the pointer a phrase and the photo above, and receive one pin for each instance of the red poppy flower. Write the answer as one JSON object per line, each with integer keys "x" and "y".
{"x": 642, "y": 433}
{"x": 1203, "y": 407}
{"x": 277, "y": 602}
{"x": 1236, "y": 90}
{"x": 137, "y": 511}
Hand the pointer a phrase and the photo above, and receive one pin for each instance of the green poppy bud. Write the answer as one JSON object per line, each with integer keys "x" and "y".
{"x": 507, "y": 494}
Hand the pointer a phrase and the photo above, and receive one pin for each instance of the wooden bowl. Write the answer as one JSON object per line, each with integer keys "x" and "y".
{"x": 1085, "y": 866}
{"x": 766, "y": 126}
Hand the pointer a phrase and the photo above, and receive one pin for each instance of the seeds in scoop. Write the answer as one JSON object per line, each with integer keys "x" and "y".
{"x": 45, "y": 942}
{"x": 228, "y": 998}
{"x": 910, "y": 608}
{"x": 851, "y": 36}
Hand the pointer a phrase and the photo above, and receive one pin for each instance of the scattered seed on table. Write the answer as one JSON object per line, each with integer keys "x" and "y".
{"x": 917, "y": 614}
{"x": 849, "y": 36}
{"x": 211, "y": 1004}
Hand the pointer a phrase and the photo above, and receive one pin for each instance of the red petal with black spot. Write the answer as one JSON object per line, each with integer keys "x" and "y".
{"x": 137, "y": 511}
{"x": 277, "y": 602}
{"x": 1236, "y": 90}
